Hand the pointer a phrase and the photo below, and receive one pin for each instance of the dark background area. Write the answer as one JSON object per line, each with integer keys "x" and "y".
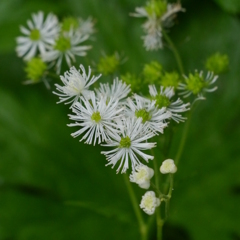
{"x": 42, "y": 166}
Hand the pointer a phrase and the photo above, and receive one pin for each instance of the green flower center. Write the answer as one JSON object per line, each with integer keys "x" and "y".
{"x": 35, "y": 69}
{"x": 35, "y": 35}
{"x": 144, "y": 114}
{"x": 96, "y": 117}
{"x": 195, "y": 83}
{"x": 161, "y": 101}
{"x": 69, "y": 23}
{"x": 156, "y": 8}
{"x": 125, "y": 142}
{"x": 62, "y": 44}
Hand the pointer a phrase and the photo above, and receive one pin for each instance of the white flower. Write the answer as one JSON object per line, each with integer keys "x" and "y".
{"x": 149, "y": 202}
{"x": 171, "y": 13}
{"x": 86, "y": 26}
{"x": 96, "y": 118}
{"x": 67, "y": 45}
{"x": 39, "y": 35}
{"x": 197, "y": 84}
{"x": 140, "y": 107}
{"x": 142, "y": 176}
{"x": 159, "y": 15}
{"x": 168, "y": 166}
{"x": 118, "y": 90}
{"x": 163, "y": 99}
{"x": 75, "y": 84}
{"x": 153, "y": 38}
{"x": 129, "y": 144}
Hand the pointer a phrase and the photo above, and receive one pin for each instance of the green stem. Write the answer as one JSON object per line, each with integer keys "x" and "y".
{"x": 175, "y": 51}
{"x": 142, "y": 226}
{"x": 183, "y": 140}
{"x": 169, "y": 195}
{"x": 159, "y": 220}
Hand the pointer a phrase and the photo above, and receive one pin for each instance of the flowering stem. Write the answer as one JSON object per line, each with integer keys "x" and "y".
{"x": 175, "y": 51}
{"x": 183, "y": 140}
{"x": 169, "y": 195}
{"x": 142, "y": 226}
{"x": 159, "y": 220}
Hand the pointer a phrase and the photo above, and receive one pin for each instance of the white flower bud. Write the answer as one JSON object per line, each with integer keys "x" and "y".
{"x": 142, "y": 176}
{"x": 149, "y": 202}
{"x": 168, "y": 166}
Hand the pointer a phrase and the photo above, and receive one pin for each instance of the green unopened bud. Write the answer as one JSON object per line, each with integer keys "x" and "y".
{"x": 161, "y": 101}
{"x": 217, "y": 63}
{"x": 69, "y": 23}
{"x": 96, "y": 117}
{"x": 133, "y": 80}
{"x": 144, "y": 114}
{"x": 152, "y": 72}
{"x": 125, "y": 142}
{"x": 35, "y": 69}
{"x": 62, "y": 44}
{"x": 195, "y": 83}
{"x": 156, "y": 8}
{"x": 108, "y": 64}
{"x": 35, "y": 35}
{"x": 170, "y": 79}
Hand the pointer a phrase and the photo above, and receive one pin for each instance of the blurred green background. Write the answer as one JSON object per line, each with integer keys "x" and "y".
{"x": 42, "y": 166}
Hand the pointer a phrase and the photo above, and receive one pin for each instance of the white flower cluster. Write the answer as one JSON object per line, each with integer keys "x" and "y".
{"x": 108, "y": 116}
{"x": 52, "y": 40}
{"x": 158, "y": 14}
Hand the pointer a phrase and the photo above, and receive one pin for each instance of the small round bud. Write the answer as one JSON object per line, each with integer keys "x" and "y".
{"x": 149, "y": 202}
{"x": 217, "y": 63}
{"x": 152, "y": 72}
{"x": 108, "y": 64}
{"x": 168, "y": 166}
{"x": 35, "y": 70}
{"x": 142, "y": 176}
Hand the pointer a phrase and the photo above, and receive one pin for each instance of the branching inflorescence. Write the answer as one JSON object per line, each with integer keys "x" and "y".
{"x": 129, "y": 115}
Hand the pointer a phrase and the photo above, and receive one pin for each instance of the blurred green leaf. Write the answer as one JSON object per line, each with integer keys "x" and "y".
{"x": 231, "y": 6}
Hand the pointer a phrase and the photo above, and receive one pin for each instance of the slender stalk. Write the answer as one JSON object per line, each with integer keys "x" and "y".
{"x": 175, "y": 51}
{"x": 159, "y": 220}
{"x": 169, "y": 195}
{"x": 183, "y": 140}
{"x": 142, "y": 226}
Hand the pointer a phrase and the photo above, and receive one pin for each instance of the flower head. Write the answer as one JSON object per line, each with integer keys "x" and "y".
{"x": 197, "y": 84}
{"x": 129, "y": 143}
{"x": 67, "y": 45}
{"x": 168, "y": 166}
{"x": 108, "y": 64}
{"x": 39, "y": 35}
{"x": 140, "y": 107}
{"x": 35, "y": 70}
{"x": 149, "y": 202}
{"x": 96, "y": 118}
{"x": 142, "y": 176}
{"x": 217, "y": 63}
{"x": 163, "y": 99}
{"x": 152, "y": 72}
{"x": 118, "y": 90}
{"x": 84, "y": 27}
{"x": 76, "y": 83}
{"x": 159, "y": 14}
